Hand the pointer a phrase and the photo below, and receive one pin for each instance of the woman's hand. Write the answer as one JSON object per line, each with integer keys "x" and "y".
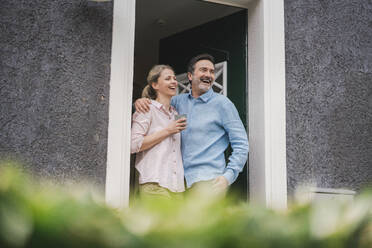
{"x": 176, "y": 126}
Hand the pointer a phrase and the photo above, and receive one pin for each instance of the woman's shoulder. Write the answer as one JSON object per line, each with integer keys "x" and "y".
{"x": 153, "y": 104}
{"x": 144, "y": 115}
{"x": 153, "y": 107}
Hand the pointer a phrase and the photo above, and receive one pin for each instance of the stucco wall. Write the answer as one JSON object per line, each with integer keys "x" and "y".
{"x": 329, "y": 92}
{"x": 54, "y": 88}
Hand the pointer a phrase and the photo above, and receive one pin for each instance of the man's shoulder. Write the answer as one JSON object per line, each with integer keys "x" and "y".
{"x": 223, "y": 104}
{"x": 221, "y": 99}
{"x": 180, "y": 96}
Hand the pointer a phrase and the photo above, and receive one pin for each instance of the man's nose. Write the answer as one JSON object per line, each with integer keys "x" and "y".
{"x": 210, "y": 74}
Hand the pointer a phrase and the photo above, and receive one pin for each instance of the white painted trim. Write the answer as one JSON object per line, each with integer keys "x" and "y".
{"x": 224, "y": 79}
{"x": 267, "y": 122}
{"x": 256, "y": 109}
{"x": 121, "y": 84}
{"x": 275, "y": 106}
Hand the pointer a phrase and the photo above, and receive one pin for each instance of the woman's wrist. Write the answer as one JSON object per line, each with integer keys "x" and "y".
{"x": 168, "y": 131}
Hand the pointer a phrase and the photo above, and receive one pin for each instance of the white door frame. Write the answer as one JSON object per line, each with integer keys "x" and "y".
{"x": 266, "y": 111}
{"x": 120, "y": 105}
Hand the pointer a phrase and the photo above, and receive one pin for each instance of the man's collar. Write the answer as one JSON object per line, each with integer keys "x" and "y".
{"x": 205, "y": 97}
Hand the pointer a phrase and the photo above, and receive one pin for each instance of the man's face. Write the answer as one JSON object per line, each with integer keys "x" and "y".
{"x": 202, "y": 77}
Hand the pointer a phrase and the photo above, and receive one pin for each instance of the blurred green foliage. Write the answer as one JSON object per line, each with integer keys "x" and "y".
{"x": 41, "y": 214}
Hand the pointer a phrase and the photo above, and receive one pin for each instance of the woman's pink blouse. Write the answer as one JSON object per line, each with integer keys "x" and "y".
{"x": 161, "y": 163}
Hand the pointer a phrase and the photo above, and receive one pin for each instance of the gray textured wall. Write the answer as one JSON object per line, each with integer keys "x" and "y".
{"x": 54, "y": 72}
{"x": 329, "y": 92}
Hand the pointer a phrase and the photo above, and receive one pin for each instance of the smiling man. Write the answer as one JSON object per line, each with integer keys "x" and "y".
{"x": 212, "y": 124}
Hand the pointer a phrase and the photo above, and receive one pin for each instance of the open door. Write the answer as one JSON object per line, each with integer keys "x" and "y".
{"x": 226, "y": 40}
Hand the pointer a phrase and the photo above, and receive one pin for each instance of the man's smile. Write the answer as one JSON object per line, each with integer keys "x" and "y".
{"x": 206, "y": 80}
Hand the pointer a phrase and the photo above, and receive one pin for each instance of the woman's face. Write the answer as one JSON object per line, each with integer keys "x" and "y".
{"x": 167, "y": 83}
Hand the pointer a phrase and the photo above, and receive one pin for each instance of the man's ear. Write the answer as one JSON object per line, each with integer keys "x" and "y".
{"x": 154, "y": 85}
{"x": 189, "y": 76}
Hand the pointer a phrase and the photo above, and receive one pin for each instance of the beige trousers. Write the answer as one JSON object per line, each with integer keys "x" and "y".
{"x": 154, "y": 190}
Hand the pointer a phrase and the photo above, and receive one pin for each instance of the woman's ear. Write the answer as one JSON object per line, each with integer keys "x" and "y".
{"x": 154, "y": 85}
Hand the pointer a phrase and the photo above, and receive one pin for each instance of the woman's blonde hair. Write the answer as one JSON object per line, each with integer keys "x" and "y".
{"x": 152, "y": 77}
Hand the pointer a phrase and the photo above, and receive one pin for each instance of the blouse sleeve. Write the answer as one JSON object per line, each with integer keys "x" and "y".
{"x": 140, "y": 127}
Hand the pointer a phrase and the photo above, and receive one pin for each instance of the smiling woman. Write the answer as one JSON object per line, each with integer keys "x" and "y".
{"x": 155, "y": 137}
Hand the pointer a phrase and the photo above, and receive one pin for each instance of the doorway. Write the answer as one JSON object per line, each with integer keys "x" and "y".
{"x": 165, "y": 32}
{"x": 267, "y": 120}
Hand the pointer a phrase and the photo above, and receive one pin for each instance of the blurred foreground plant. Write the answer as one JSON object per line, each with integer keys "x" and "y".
{"x": 44, "y": 215}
